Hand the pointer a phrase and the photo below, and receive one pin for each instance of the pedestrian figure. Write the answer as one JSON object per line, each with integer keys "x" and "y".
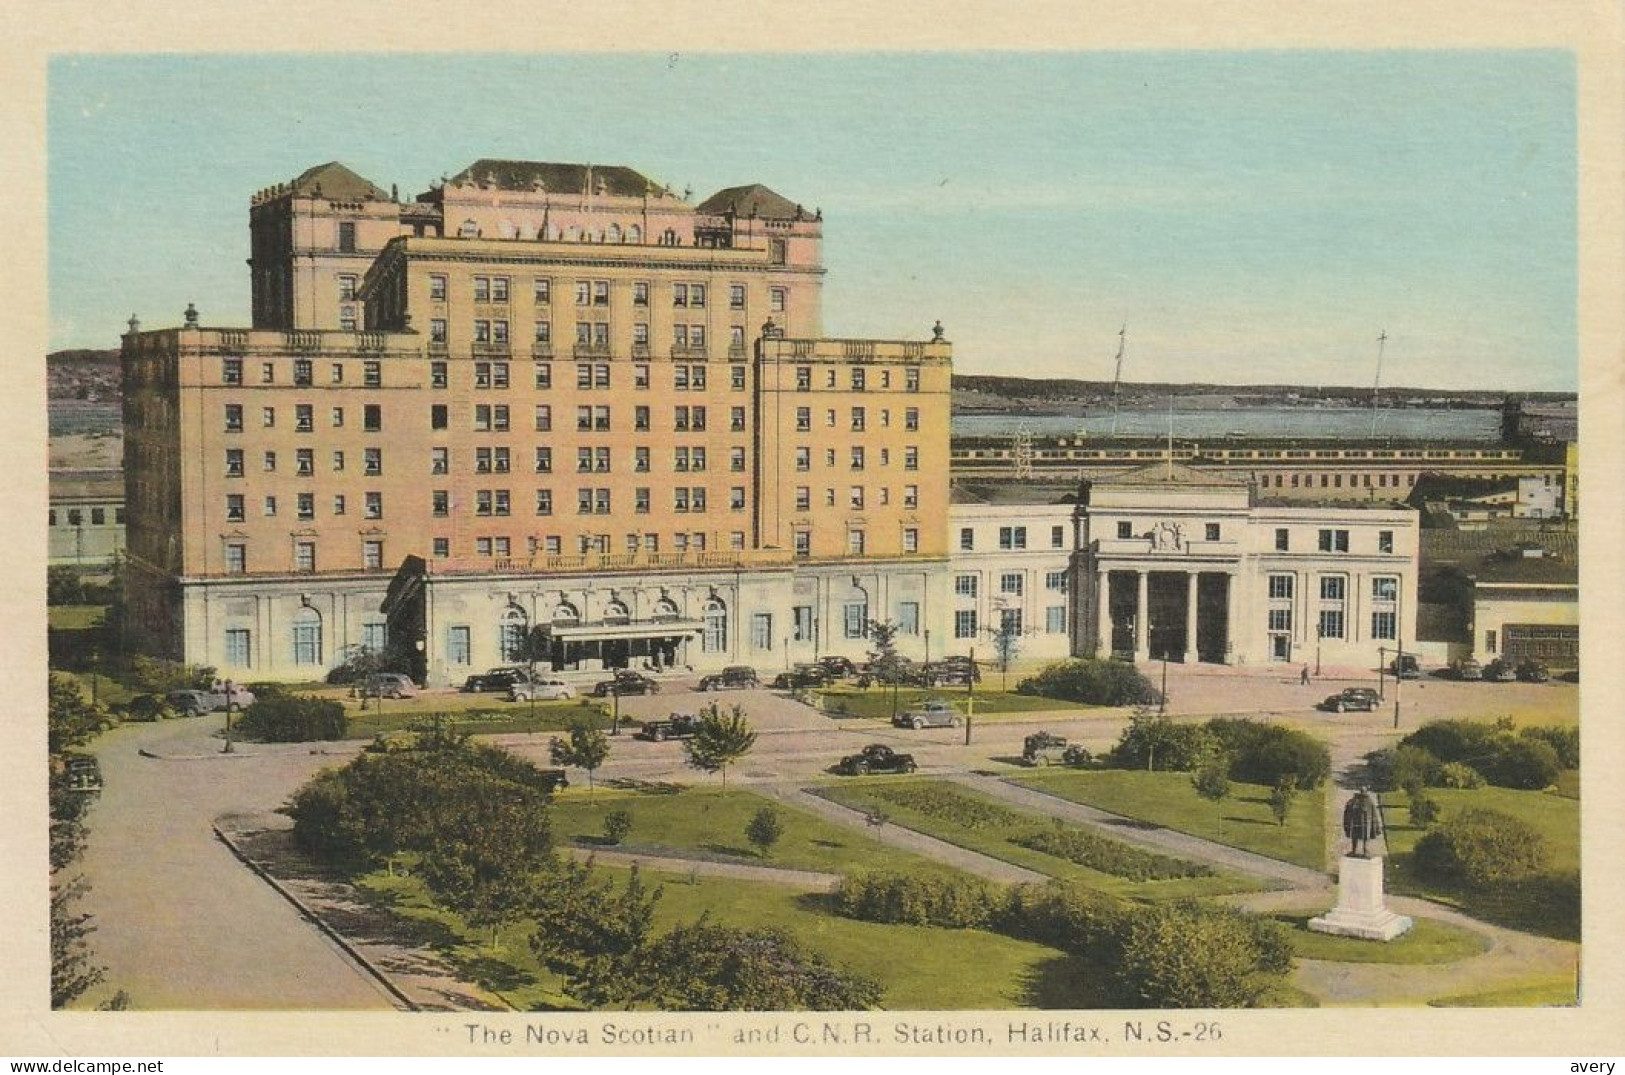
{"x": 1304, "y": 677}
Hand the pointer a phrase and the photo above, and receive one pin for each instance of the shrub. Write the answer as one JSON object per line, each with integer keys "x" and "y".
{"x": 1212, "y": 780}
{"x": 1115, "y": 857}
{"x": 1565, "y": 741}
{"x": 160, "y": 677}
{"x": 1062, "y": 915}
{"x": 706, "y": 967}
{"x": 1459, "y": 775}
{"x": 1394, "y": 768}
{"x": 617, "y": 826}
{"x": 764, "y": 830}
{"x": 1155, "y": 741}
{"x": 1424, "y": 811}
{"x": 1529, "y": 764}
{"x": 63, "y": 586}
{"x": 950, "y": 804}
{"x": 1480, "y": 848}
{"x": 1284, "y": 794}
{"x": 1453, "y": 740}
{"x": 1188, "y": 955}
{"x": 1264, "y": 753}
{"x": 1093, "y": 682}
{"x": 292, "y": 719}
{"x": 895, "y": 898}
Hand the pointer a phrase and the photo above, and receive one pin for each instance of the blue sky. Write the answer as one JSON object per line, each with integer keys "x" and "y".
{"x": 1252, "y": 216}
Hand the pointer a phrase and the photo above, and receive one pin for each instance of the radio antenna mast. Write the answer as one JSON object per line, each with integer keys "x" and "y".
{"x": 1376, "y": 386}
{"x": 1117, "y": 376}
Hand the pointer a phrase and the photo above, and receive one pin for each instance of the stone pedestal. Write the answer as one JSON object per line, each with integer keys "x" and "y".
{"x": 1361, "y": 910}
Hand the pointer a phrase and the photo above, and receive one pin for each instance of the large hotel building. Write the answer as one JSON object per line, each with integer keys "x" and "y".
{"x": 539, "y": 397}
{"x": 557, "y": 406}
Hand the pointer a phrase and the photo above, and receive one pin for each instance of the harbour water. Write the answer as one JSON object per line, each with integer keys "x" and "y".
{"x": 1274, "y": 423}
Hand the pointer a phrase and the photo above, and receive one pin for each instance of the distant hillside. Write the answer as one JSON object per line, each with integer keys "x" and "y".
{"x": 979, "y": 391}
{"x": 92, "y": 376}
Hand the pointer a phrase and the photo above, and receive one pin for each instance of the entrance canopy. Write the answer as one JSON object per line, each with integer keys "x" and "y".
{"x": 605, "y": 632}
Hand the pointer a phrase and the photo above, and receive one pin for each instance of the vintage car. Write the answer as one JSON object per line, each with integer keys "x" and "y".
{"x": 389, "y": 685}
{"x": 495, "y": 679}
{"x": 935, "y": 713}
{"x": 554, "y": 779}
{"x": 541, "y": 690}
{"x": 876, "y": 758}
{"x": 1043, "y": 748}
{"x": 84, "y": 773}
{"x": 803, "y": 675}
{"x": 839, "y": 667}
{"x": 1362, "y": 698}
{"x": 1405, "y": 666}
{"x": 1532, "y": 672}
{"x": 1499, "y": 671}
{"x": 1467, "y": 669}
{"x": 625, "y": 682}
{"x": 676, "y": 726}
{"x": 196, "y": 703}
{"x": 736, "y": 677}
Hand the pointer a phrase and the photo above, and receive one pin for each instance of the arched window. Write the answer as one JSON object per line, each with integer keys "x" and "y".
{"x": 665, "y": 610}
{"x": 715, "y": 639}
{"x": 617, "y": 612}
{"x": 634, "y": 234}
{"x": 574, "y": 234}
{"x": 468, "y": 230}
{"x": 566, "y": 614}
{"x": 511, "y": 633}
{"x": 614, "y": 234}
{"x": 307, "y": 636}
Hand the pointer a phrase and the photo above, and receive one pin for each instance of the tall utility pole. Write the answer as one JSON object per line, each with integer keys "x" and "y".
{"x": 1376, "y": 385}
{"x": 1117, "y": 376}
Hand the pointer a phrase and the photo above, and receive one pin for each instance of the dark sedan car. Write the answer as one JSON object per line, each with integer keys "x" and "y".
{"x": 497, "y": 679}
{"x": 626, "y": 682}
{"x": 1533, "y": 672}
{"x": 1362, "y": 698}
{"x": 736, "y": 677}
{"x": 1500, "y": 672}
{"x": 802, "y": 675}
{"x": 876, "y": 758}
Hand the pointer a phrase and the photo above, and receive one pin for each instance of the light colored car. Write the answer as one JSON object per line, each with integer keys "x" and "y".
{"x": 542, "y": 690}
{"x": 389, "y": 685}
{"x": 933, "y": 714}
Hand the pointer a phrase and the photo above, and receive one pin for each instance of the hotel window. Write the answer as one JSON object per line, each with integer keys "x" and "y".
{"x": 1055, "y": 580}
{"x": 679, "y": 295}
{"x": 338, "y": 460}
{"x": 231, "y": 371}
{"x": 1385, "y": 588}
{"x": 967, "y": 539}
{"x": 442, "y": 547}
{"x": 1384, "y": 625}
{"x": 1211, "y": 531}
{"x": 965, "y": 585}
{"x": 855, "y": 542}
{"x": 544, "y": 502}
{"x": 1334, "y": 541}
{"x": 803, "y": 419}
{"x": 372, "y": 461}
{"x": 372, "y": 555}
{"x": 1385, "y": 541}
{"x": 1282, "y": 539}
{"x": 234, "y": 462}
{"x": 542, "y": 290}
{"x": 544, "y": 375}
{"x": 860, "y": 379}
{"x": 437, "y": 375}
{"x": 437, "y": 416}
{"x": 803, "y": 459}
{"x": 499, "y": 333}
{"x": 640, "y": 293}
{"x": 1011, "y": 582}
{"x": 696, "y": 297}
{"x": 1010, "y": 621}
{"x": 1331, "y": 623}
{"x": 736, "y": 460}
{"x": 803, "y": 498}
{"x": 458, "y": 645}
{"x": 544, "y": 418}
{"x": 1055, "y": 619}
{"x": 911, "y": 458}
{"x": 237, "y": 647}
{"x": 437, "y": 330}
{"x": 437, "y": 287}
{"x": 640, "y": 419}
{"x": 803, "y": 378}
{"x": 583, "y": 292}
{"x": 372, "y": 417}
{"x": 1280, "y": 619}
{"x": 856, "y": 497}
{"x": 911, "y": 380}
{"x": 439, "y": 460}
{"x": 269, "y": 463}
{"x": 503, "y": 502}
{"x": 482, "y": 331}
{"x": 1057, "y": 537}
{"x": 234, "y": 418}
{"x": 965, "y": 623}
{"x": 856, "y": 619}
{"x": 736, "y": 296}
{"x": 499, "y": 289}
{"x": 859, "y": 420}
{"x": 761, "y": 630}
{"x": 307, "y": 637}
{"x": 268, "y": 417}
{"x": 1012, "y": 537}
{"x": 775, "y": 299}
{"x": 305, "y": 462}
{"x": 544, "y": 334}
{"x": 736, "y": 498}
{"x": 338, "y": 417}
{"x": 911, "y": 539}
{"x": 440, "y": 503}
{"x": 304, "y": 556}
{"x": 911, "y": 496}
{"x": 1333, "y": 587}
{"x": 600, "y": 292}
{"x": 373, "y": 505}
{"x": 235, "y": 512}
{"x": 911, "y": 419}
{"x": 346, "y": 237}
{"x": 347, "y": 282}
{"x": 803, "y": 543}
{"x": 736, "y": 378}
{"x": 1280, "y": 587}
{"x": 304, "y": 418}
{"x": 857, "y": 457}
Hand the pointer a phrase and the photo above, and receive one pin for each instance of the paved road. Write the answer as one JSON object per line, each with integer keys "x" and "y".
{"x": 180, "y": 922}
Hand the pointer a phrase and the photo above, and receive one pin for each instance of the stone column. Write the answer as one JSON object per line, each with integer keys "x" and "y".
{"x": 1142, "y": 604}
{"x": 1231, "y": 654}
{"x": 1191, "y": 578}
{"x": 1103, "y": 614}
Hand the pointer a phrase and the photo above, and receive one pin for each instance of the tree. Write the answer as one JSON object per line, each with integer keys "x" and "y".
{"x": 1092, "y": 682}
{"x": 617, "y": 826}
{"x": 1187, "y": 955}
{"x": 1152, "y": 737}
{"x": 593, "y": 934}
{"x": 490, "y": 838}
{"x": 586, "y": 748}
{"x": 72, "y": 970}
{"x": 705, "y": 967}
{"x": 1212, "y": 779}
{"x": 63, "y": 586}
{"x": 1282, "y": 797}
{"x": 885, "y": 664}
{"x": 1424, "y": 810}
{"x": 1006, "y": 644}
{"x": 1481, "y": 849}
{"x": 764, "y": 830}
{"x": 71, "y": 718}
{"x": 719, "y": 741}
{"x": 293, "y": 718}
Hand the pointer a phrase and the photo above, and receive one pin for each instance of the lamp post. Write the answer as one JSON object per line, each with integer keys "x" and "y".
{"x": 1162, "y": 700}
{"x": 1320, "y": 633}
{"x": 1382, "y": 669}
{"x": 615, "y": 721}
{"x": 970, "y": 695}
{"x": 231, "y": 699}
{"x": 928, "y": 645}
{"x": 1399, "y": 663}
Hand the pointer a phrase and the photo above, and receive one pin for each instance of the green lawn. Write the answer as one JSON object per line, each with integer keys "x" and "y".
{"x": 711, "y": 822}
{"x": 920, "y": 967}
{"x": 991, "y": 702}
{"x": 1243, "y": 820}
{"x": 1541, "y": 993}
{"x": 989, "y": 826}
{"x": 74, "y": 617}
{"x": 1548, "y": 905}
{"x": 481, "y": 714}
{"x": 1427, "y": 941}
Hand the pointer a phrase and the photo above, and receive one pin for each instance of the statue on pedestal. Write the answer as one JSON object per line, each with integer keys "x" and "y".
{"x": 1362, "y": 819}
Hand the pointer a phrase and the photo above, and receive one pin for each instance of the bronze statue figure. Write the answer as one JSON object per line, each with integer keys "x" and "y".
{"x": 1362, "y": 819}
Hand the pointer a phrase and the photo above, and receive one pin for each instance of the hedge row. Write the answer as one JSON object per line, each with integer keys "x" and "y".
{"x": 1110, "y": 856}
